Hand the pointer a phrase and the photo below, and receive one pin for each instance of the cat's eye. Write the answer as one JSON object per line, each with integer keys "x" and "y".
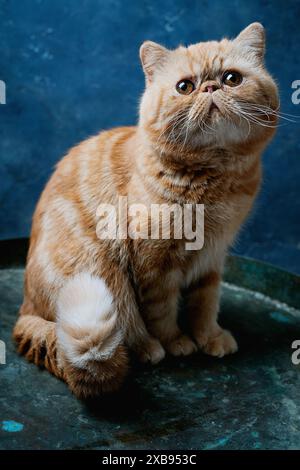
{"x": 185, "y": 87}
{"x": 232, "y": 78}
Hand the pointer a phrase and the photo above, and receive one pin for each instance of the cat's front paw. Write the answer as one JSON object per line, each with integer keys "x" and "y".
{"x": 181, "y": 346}
{"x": 151, "y": 351}
{"x": 218, "y": 345}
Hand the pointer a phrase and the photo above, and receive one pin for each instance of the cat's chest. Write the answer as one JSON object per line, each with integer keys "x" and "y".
{"x": 189, "y": 258}
{"x": 172, "y": 263}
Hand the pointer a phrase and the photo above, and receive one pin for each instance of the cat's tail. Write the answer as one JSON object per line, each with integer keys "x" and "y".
{"x": 90, "y": 356}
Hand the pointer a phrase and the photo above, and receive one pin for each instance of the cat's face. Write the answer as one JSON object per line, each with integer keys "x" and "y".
{"x": 209, "y": 94}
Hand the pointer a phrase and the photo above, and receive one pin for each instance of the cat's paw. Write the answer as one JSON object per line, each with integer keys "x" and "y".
{"x": 181, "y": 346}
{"x": 151, "y": 351}
{"x": 218, "y": 345}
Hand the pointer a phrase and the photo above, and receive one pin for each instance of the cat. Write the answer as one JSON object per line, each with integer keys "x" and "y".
{"x": 207, "y": 113}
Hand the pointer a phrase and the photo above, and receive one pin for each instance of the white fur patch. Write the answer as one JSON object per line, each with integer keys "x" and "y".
{"x": 85, "y": 303}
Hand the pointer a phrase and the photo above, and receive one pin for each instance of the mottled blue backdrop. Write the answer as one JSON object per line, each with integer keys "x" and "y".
{"x": 71, "y": 68}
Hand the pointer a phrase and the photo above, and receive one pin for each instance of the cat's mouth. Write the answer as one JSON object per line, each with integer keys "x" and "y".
{"x": 213, "y": 108}
{"x": 213, "y": 112}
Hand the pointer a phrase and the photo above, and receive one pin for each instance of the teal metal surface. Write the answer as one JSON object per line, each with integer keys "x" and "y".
{"x": 250, "y": 400}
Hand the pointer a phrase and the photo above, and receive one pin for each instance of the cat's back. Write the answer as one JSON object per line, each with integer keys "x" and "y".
{"x": 90, "y": 173}
{"x": 92, "y": 159}
{"x": 63, "y": 235}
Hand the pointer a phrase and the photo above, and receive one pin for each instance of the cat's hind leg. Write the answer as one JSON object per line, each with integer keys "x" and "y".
{"x": 84, "y": 346}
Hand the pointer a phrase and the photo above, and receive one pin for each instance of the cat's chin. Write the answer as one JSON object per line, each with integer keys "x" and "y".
{"x": 217, "y": 131}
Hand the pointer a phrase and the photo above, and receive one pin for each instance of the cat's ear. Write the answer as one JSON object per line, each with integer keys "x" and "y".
{"x": 152, "y": 56}
{"x": 252, "y": 41}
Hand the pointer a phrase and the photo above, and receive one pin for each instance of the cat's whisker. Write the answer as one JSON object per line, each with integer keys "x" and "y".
{"x": 252, "y": 117}
{"x": 257, "y": 121}
{"x": 237, "y": 113}
{"x": 269, "y": 111}
{"x": 170, "y": 129}
{"x": 262, "y": 123}
{"x": 195, "y": 116}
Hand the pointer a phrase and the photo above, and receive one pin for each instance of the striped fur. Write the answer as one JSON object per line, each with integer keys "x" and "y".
{"x": 87, "y": 300}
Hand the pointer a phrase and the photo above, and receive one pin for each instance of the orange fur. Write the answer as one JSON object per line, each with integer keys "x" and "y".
{"x": 87, "y": 300}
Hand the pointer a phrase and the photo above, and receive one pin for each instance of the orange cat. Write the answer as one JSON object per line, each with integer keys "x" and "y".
{"x": 207, "y": 113}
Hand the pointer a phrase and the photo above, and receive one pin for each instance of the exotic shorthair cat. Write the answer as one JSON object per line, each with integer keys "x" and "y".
{"x": 206, "y": 115}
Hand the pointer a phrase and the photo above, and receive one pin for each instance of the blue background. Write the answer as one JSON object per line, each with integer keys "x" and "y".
{"x": 71, "y": 68}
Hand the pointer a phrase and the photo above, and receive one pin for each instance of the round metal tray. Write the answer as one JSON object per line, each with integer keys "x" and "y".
{"x": 250, "y": 400}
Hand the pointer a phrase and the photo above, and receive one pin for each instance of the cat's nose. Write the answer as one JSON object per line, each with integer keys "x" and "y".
{"x": 209, "y": 87}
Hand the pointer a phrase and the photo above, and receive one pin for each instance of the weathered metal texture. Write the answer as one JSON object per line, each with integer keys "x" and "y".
{"x": 250, "y": 400}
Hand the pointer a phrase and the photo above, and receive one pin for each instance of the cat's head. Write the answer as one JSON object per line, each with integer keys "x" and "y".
{"x": 209, "y": 94}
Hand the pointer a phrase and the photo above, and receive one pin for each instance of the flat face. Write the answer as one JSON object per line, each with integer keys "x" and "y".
{"x": 247, "y": 401}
